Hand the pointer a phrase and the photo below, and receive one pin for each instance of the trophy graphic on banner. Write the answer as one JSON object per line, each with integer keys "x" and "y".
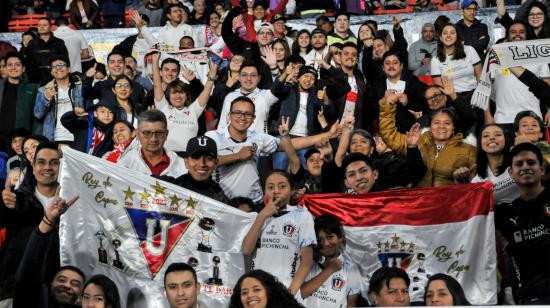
{"x": 101, "y": 252}
{"x": 215, "y": 279}
{"x": 206, "y": 224}
{"x": 116, "y": 262}
{"x": 193, "y": 262}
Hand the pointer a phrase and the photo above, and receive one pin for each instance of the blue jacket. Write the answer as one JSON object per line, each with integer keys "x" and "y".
{"x": 47, "y": 110}
{"x": 290, "y": 105}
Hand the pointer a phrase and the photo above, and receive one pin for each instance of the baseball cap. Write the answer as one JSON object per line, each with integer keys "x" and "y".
{"x": 467, "y": 3}
{"x": 201, "y": 145}
{"x": 278, "y": 17}
{"x": 310, "y": 152}
{"x": 267, "y": 26}
{"x": 318, "y": 30}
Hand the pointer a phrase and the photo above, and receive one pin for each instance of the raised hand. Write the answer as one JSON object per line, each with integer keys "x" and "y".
{"x": 269, "y": 57}
{"x": 213, "y": 69}
{"x": 413, "y": 135}
{"x": 321, "y": 94}
{"x": 91, "y": 72}
{"x": 448, "y": 87}
{"x": 136, "y": 18}
{"x": 50, "y": 92}
{"x": 80, "y": 112}
{"x": 283, "y": 127}
{"x": 8, "y": 196}
{"x": 390, "y": 97}
{"x": 381, "y": 146}
{"x": 58, "y": 206}
{"x": 188, "y": 73}
{"x": 396, "y": 21}
{"x": 324, "y": 147}
{"x": 335, "y": 129}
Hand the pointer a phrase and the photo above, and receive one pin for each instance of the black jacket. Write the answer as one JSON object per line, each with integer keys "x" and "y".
{"x": 477, "y": 35}
{"x": 365, "y": 95}
{"x": 82, "y": 129}
{"x": 38, "y": 54}
{"x": 104, "y": 90}
{"x": 209, "y": 188}
{"x": 19, "y": 223}
{"x": 249, "y": 50}
{"x": 414, "y": 89}
{"x": 464, "y": 111}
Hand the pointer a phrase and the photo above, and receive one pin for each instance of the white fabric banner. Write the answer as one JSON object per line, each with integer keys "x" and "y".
{"x": 130, "y": 227}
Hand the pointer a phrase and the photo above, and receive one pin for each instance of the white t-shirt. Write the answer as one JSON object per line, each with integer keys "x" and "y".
{"x": 399, "y": 86}
{"x": 461, "y": 72}
{"x": 300, "y": 125}
{"x": 45, "y": 201}
{"x": 241, "y": 179}
{"x": 75, "y": 42}
{"x": 171, "y": 36}
{"x": 63, "y": 106}
{"x": 504, "y": 187}
{"x": 353, "y": 84}
{"x": 513, "y": 96}
{"x": 281, "y": 241}
{"x": 182, "y": 123}
{"x": 314, "y": 56}
{"x": 263, "y": 100}
{"x": 334, "y": 292}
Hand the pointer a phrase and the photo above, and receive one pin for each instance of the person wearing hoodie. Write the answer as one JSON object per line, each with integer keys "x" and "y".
{"x": 341, "y": 32}
{"x": 93, "y": 132}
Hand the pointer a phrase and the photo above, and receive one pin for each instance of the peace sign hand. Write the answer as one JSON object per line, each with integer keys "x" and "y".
{"x": 283, "y": 128}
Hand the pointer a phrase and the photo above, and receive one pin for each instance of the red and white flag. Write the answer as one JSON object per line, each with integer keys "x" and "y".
{"x": 424, "y": 231}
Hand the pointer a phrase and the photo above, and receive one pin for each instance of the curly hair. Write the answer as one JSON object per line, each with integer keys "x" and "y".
{"x": 277, "y": 294}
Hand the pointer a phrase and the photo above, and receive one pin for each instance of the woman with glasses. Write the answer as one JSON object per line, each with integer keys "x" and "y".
{"x": 182, "y": 113}
{"x": 538, "y": 20}
{"x": 439, "y": 97}
{"x": 122, "y": 88}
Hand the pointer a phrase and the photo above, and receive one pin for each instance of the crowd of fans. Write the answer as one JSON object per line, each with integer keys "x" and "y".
{"x": 272, "y": 114}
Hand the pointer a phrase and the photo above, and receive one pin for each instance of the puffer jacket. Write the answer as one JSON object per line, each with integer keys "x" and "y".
{"x": 46, "y": 110}
{"x": 455, "y": 153}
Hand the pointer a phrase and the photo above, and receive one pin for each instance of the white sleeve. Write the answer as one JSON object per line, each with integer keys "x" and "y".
{"x": 162, "y": 104}
{"x": 196, "y": 108}
{"x": 354, "y": 279}
{"x": 544, "y": 72}
{"x": 269, "y": 98}
{"x": 148, "y": 36}
{"x": 471, "y": 54}
{"x": 435, "y": 67}
{"x": 306, "y": 231}
{"x": 270, "y": 144}
{"x": 224, "y": 122}
{"x": 83, "y": 42}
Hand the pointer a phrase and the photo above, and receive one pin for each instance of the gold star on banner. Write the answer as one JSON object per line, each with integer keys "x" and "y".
{"x": 159, "y": 190}
{"x": 191, "y": 203}
{"x": 175, "y": 200}
{"x": 144, "y": 195}
{"x": 128, "y": 194}
{"x": 395, "y": 238}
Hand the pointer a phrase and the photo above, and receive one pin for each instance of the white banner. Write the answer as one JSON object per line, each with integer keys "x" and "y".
{"x": 130, "y": 227}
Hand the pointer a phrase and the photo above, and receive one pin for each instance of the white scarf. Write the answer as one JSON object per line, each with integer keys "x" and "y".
{"x": 508, "y": 55}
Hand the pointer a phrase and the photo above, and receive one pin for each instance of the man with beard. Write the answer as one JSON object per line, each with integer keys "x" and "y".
{"x": 409, "y": 88}
{"x": 320, "y": 49}
{"x": 511, "y": 95}
{"x": 319, "y": 290}
{"x": 526, "y": 226}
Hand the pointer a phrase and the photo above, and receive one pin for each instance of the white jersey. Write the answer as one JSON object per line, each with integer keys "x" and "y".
{"x": 504, "y": 187}
{"x": 241, "y": 179}
{"x": 334, "y": 292}
{"x": 63, "y": 106}
{"x": 262, "y": 99}
{"x": 75, "y": 42}
{"x": 461, "y": 72}
{"x": 278, "y": 248}
{"x": 513, "y": 96}
{"x": 182, "y": 123}
{"x": 171, "y": 36}
{"x": 314, "y": 57}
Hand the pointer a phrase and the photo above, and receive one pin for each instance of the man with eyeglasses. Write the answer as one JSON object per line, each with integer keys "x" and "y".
{"x": 240, "y": 147}
{"x": 151, "y": 157}
{"x": 103, "y": 89}
{"x": 473, "y": 32}
{"x": 422, "y": 51}
{"x": 59, "y": 96}
{"x": 263, "y": 100}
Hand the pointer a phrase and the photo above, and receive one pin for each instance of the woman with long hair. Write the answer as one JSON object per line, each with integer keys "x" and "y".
{"x": 444, "y": 290}
{"x": 538, "y": 20}
{"x": 493, "y": 161}
{"x": 123, "y": 136}
{"x": 302, "y": 44}
{"x": 100, "y": 292}
{"x": 122, "y": 88}
{"x": 460, "y": 63}
{"x": 281, "y": 50}
{"x": 264, "y": 290}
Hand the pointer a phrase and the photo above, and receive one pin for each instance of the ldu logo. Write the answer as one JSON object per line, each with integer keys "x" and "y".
{"x": 289, "y": 230}
{"x": 158, "y": 233}
{"x": 338, "y": 283}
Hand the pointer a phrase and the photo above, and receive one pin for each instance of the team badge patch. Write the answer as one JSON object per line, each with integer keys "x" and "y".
{"x": 289, "y": 230}
{"x": 158, "y": 234}
{"x": 338, "y": 283}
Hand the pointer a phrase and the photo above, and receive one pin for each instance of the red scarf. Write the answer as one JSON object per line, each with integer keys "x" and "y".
{"x": 118, "y": 150}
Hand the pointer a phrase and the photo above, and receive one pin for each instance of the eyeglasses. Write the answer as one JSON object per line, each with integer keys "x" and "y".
{"x": 123, "y": 86}
{"x": 159, "y": 134}
{"x": 245, "y": 75}
{"x": 59, "y": 65}
{"x": 536, "y": 15}
{"x": 265, "y": 33}
{"x": 240, "y": 114}
{"x": 435, "y": 97}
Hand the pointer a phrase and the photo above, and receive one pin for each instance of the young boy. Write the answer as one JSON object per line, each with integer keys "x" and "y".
{"x": 333, "y": 280}
{"x": 93, "y": 132}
